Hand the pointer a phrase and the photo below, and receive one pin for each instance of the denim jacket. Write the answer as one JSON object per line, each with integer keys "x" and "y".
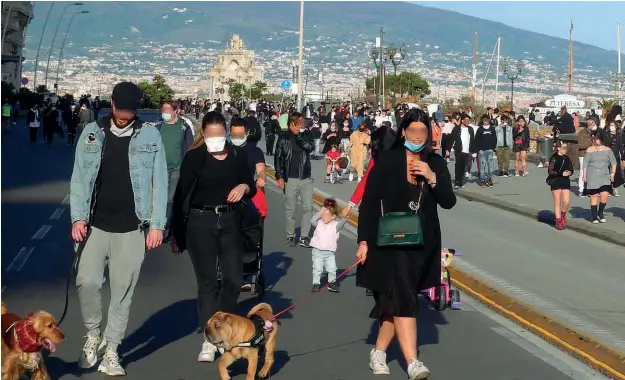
{"x": 148, "y": 173}
{"x": 499, "y": 131}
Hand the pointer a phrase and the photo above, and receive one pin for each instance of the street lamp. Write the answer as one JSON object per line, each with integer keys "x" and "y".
{"x": 45, "y": 24}
{"x": 56, "y": 80}
{"x": 54, "y": 36}
{"x": 512, "y": 76}
{"x": 379, "y": 55}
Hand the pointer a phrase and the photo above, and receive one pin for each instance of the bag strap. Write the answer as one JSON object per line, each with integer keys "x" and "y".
{"x": 413, "y": 206}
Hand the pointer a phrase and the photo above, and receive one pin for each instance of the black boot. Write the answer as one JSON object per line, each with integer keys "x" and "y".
{"x": 593, "y": 211}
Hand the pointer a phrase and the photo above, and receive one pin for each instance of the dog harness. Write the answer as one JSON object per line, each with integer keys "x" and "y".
{"x": 24, "y": 335}
{"x": 258, "y": 339}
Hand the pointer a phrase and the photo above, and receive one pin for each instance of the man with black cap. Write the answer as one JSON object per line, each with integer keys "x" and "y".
{"x": 118, "y": 201}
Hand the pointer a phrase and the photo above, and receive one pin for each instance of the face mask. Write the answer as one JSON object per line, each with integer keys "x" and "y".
{"x": 215, "y": 144}
{"x": 612, "y": 128}
{"x": 346, "y": 124}
{"x": 166, "y": 117}
{"x": 594, "y": 128}
{"x": 333, "y": 128}
{"x": 238, "y": 141}
{"x": 302, "y": 130}
{"x": 414, "y": 148}
{"x": 486, "y": 126}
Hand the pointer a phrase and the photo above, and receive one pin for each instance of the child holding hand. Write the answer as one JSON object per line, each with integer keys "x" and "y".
{"x": 324, "y": 243}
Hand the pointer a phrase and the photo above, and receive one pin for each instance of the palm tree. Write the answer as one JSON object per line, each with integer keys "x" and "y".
{"x": 606, "y": 106}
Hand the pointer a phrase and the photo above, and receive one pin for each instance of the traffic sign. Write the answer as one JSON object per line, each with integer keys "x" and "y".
{"x": 285, "y": 84}
{"x": 24, "y": 81}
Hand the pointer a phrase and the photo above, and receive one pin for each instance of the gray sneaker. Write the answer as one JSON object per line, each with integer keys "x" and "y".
{"x": 417, "y": 370}
{"x": 377, "y": 362}
{"x": 89, "y": 356}
{"x": 110, "y": 364}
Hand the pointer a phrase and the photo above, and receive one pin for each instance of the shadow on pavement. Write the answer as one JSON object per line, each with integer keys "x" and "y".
{"x": 58, "y": 368}
{"x": 427, "y": 332}
{"x": 618, "y": 212}
{"x": 239, "y": 368}
{"x": 166, "y": 326}
{"x": 580, "y": 213}
{"x": 276, "y": 265}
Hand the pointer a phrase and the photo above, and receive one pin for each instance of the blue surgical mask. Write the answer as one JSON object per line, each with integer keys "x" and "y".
{"x": 414, "y": 148}
{"x": 166, "y": 117}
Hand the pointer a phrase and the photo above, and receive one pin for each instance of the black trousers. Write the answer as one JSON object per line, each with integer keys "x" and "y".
{"x": 269, "y": 140}
{"x": 33, "y": 134}
{"x": 48, "y": 134}
{"x": 462, "y": 160}
{"x": 71, "y": 135}
{"x": 212, "y": 237}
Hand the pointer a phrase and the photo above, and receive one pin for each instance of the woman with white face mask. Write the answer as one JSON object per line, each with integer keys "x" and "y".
{"x": 207, "y": 213}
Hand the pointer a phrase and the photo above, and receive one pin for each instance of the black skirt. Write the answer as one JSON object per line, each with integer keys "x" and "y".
{"x": 561, "y": 183}
{"x": 602, "y": 189}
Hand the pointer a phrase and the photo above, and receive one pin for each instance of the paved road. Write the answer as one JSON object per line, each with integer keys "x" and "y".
{"x": 326, "y": 338}
{"x": 573, "y": 278}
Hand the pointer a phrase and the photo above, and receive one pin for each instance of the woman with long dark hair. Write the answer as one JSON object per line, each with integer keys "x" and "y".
{"x": 521, "y": 144}
{"x": 207, "y": 212}
{"x": 409, "y": 178}
{"x": 560, "y": 172}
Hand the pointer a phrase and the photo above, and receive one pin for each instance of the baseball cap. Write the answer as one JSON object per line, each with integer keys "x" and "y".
{"x": 127, "y": 96}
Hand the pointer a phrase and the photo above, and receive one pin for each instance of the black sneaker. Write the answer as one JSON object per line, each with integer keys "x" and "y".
{"x": 315, "y": 288}
{"x": 290, "y": 241}
{"x": 333, "y": 287}
{"x": 490, "y": 183}
{"x": 304, "y": 242}
{"x": 482, "y": 183}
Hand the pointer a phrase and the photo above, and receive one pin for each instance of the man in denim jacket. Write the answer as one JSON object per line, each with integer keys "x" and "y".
{"x": 118, "y": 202}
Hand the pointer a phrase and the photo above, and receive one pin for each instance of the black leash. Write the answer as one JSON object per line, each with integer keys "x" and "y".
{"x": 72, "y": 271}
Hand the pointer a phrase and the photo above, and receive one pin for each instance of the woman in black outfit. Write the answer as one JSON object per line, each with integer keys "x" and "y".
{"x": 214, "y": 177}
{"x": 406, "y": 175}
{"x": 560, "y": 171}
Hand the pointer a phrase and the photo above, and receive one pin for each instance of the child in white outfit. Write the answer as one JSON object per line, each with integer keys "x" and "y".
{"x": 324, "y": 242}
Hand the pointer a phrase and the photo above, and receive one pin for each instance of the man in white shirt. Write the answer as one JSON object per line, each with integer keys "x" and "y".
{"x": 462, "y": 137}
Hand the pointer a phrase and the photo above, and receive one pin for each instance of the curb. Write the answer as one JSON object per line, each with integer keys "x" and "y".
{"x": 590, "y": 352}
{"x": 585, "y": 228}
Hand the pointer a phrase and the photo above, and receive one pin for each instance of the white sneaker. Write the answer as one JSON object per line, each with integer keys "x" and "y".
{"x": 110, "y": 364}
{"x": 351, "y": 177}
{"x": 359, "y": 179}
{"x": 89, "y": 356}
{"x": 417, "y": 370}
{"x": 208, "y": 353}
{"x": 377, "y": 362}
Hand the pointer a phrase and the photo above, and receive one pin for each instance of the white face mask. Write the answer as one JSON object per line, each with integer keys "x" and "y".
{"x": 612, "y": 128}
{"x": 302, "y": 130}
{"x": 238, "y": 141}
{"x": 215, "y": 144}
{"x": 486, "y": 126}
{"x": 594, "y": 128}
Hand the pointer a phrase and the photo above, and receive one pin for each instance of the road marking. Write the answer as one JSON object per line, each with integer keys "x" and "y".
{"x": 41, "y": 232}
{"x": 65, "y": 200}
{"x": 20, "y": 259}
{"x": 57, "y": 213}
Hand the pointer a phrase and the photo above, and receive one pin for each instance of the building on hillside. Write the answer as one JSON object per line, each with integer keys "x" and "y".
{"x": 16, "y": 16}
{"x": 235, "y": 63}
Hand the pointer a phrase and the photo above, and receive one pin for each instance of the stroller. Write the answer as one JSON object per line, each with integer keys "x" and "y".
{"x": 252, "y": 228}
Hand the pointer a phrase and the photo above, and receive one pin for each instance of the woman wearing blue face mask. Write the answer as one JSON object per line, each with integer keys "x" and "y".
{"x": 408, "y": 178}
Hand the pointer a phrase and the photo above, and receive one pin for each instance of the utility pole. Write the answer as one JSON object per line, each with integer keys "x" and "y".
{"x": 474, "y": 77}
{"x": 381, "y": 79}
{"x": 301, "y": 56}
{"x": 571, "y": 59}
{"x": 618, "y": 50}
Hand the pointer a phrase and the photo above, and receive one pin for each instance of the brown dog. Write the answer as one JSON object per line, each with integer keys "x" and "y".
{"x": 22, "y": 342}
{"x": 231, "y": 333}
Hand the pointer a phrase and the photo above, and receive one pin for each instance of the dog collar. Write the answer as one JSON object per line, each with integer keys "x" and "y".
{"x": 258, "y": 339}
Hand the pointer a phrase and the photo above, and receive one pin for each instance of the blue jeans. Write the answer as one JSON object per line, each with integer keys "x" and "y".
{"x": 486, "y": 164}
{"x": 320, "y": 260}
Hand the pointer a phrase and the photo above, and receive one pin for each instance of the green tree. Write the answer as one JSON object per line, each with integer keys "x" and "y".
{"x": 236, "y": 90}
{"x": 41, "y": 89}
{"x": 402, "y": 84}
{"x": 157, "y": 90}
{"x": 258, "y": 89}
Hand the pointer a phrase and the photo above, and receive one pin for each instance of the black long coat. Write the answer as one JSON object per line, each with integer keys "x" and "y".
{"x": 387, "y": 182}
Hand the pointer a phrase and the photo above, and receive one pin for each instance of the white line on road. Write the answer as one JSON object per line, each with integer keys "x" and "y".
{"x": 41, "y": 232}
{"x": 20, "y": 259}
{"x": 57, "y": 213}
{"x": 66, "y": 200}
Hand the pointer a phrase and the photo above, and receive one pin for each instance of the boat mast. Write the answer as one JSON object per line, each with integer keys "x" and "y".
{"x": 474, "y": 77}
{"x": 490, "y": 63}
{"x": 497, "y": 74}
{"x": 571, "y": 59}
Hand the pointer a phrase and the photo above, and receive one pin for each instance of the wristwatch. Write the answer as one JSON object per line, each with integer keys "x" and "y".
{"x": 432, "y": 181}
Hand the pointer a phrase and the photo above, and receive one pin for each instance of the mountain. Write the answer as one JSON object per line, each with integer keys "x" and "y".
{"x": 274, "y": 26}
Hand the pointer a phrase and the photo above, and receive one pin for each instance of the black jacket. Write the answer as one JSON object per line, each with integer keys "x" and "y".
{"x": 485, "y": 139}
{"x": 456, "y": 140}
{"x": 565, "y": 124}
{"x": 192, "y": 164}
{"x": 284, "y": 151}
{"x": 272, "y": 127}
{"x": 253, "y": 128}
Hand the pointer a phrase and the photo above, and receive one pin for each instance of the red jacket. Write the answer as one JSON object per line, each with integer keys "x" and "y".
{"x": 360, "y": 189}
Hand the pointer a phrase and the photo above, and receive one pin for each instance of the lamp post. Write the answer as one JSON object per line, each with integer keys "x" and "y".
{"x": 45, "y": 24}
{"x": 512, "y": 76}
{"x": 58, "y": 67}
{"x": 56, "y": 31}
{"x": 618, "y": 79}
{"x": 379, "y": 55}
{"x": 295, "y": 66}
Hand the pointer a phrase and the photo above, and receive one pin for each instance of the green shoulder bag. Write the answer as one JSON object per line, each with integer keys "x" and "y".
{"x": 400, "y": 229}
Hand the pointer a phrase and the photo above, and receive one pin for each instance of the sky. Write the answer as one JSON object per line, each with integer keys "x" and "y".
{"x": 594, "y": 22}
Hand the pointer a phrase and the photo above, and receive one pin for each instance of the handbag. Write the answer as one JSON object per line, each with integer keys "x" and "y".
{"x": 551, "y": 179}
{"x": 400, "y": 229}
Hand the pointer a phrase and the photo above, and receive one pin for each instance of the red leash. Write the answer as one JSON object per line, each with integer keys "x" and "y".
{"x": 303, "y": 300}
